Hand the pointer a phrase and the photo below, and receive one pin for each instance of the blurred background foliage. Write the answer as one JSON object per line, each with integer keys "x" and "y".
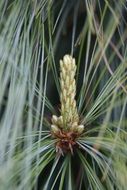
{"x": 34, "y": 36}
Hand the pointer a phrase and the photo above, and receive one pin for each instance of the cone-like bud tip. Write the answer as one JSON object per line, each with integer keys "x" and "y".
{"x": 55, "y": 129}
{"x": 80, "y": 129}
{"x": 54, "y": 119}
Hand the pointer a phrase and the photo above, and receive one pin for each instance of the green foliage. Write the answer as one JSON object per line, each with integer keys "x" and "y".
{"x": 34, "y": 35}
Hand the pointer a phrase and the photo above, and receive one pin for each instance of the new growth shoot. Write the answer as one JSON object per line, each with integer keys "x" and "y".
{"x": 66, "y": 128}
